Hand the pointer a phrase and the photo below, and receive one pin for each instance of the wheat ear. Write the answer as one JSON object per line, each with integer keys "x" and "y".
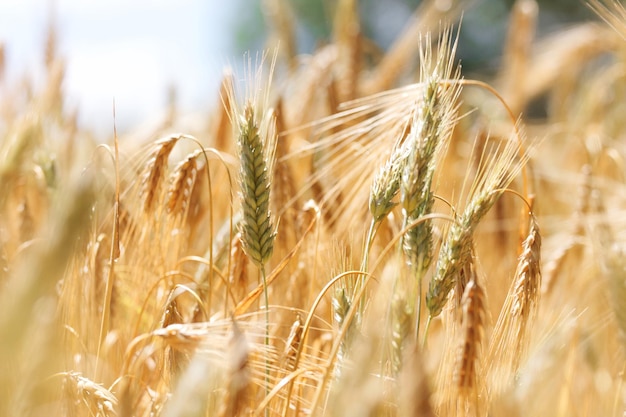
{"x": 154, "y": 172}
{"x": 96, "y": 398}
{"x": 467, "y": 374}
{"x": 430, "y": 131}
{"x": 386, "y": 185}
{"x": 511, "y": 333}
{"x": 257, "y": 230}
{"x": 341, "y": 306}
{"x": 182, "y": 181}
{"x": 257, "y": 148}
{"x": 495, "y": 174}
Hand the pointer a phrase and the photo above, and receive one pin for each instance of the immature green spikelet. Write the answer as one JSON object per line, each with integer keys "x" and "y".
{"x": 341, "y": 307}
{"x": 495, "y": 174}
{"x": 386, "y": 185}
{"x": 431, "y": 127}
{"x": 257, "y": 230}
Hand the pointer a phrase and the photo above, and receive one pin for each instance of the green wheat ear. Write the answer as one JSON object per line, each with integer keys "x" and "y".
{"x": 257, "y": 228}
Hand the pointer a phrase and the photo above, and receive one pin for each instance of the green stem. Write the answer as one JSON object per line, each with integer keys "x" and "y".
{"x": 267, "y": 336}
{"x": 430, "y": 318}
{"x": 418, "y": 309}
{"x": 365, "y": 263}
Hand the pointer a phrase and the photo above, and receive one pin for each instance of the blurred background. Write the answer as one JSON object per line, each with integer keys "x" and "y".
{"x": 145, "y": 54}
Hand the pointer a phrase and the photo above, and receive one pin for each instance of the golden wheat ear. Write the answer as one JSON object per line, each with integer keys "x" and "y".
{"x": 154, "y": 172}
{"x": 468, "y": 375}
{"x": 510, "y": 338}
{"x": 182, "y": 181}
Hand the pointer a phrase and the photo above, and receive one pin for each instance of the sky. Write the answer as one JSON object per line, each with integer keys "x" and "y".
{"x": 127, "y": 51}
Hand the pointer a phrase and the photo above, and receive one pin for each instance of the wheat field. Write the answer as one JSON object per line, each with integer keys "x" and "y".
{"x": 350, "y": 234}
